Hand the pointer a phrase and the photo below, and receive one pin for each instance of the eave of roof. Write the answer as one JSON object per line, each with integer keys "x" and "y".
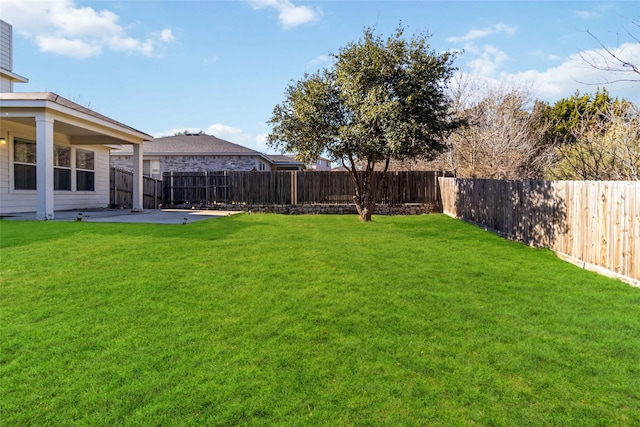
{"x": 16, "y": 78}
{"x": 58, "y": 103}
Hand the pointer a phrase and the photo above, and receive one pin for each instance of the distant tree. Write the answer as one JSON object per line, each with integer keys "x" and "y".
{"x": 591, "y": 138}
{"x": 497, "y": 141}
{"x": 605, "y": 148}
{"x": 561, "y": 121}
{"x": 187, "y": 132}
{"x": 381, "y": 100}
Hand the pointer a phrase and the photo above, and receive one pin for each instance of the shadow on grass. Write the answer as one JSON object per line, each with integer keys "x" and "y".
{"x": 20, "y": 233}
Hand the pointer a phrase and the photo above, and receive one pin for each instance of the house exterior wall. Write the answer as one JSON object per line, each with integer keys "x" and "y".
{"x": 194, "y": 163}
{"x": 6, "y": 57}
{"x": 321, "y": 164}
{"x": 6, "y": 85}
{"x": 12, "y": 201}
{"x": 6, "y": 45}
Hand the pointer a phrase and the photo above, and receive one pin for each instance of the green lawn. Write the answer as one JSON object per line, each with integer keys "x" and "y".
{"x": 307, "y": 320}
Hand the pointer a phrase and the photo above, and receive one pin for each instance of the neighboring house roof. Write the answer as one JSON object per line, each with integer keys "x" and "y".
{"x": 282, "y": 158}
{"x": 189, "y": 144}
{"x": 60, "y": 104}
{"x": 201, "y": 144}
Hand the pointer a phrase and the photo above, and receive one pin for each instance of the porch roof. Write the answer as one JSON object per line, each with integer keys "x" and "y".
{"x": 83, "y": 124}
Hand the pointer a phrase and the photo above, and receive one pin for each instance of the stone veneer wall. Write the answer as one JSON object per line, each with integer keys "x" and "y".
{"x": 121, "y": 162}
{"x": 193, "y": 163}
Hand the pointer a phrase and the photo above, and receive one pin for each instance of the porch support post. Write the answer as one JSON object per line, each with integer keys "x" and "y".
{"x": 137, "y": 203}
{"x": 44, "y": 167}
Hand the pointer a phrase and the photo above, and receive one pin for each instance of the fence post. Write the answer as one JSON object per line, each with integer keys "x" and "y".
{"x": 115, "y": 187}
{"x": 171, "y": 182}
{"x": 206, "y": 187}
{"x": 294, "y": 187}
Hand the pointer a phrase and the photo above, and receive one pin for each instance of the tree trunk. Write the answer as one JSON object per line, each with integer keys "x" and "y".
{"x": 367, "y": 190}
{"x": 365, "y": 216}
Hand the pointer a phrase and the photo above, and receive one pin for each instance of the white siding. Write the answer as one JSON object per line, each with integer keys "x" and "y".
{"x": 6, "y": 85}
{"x": 12, "y": 201}
{"x": 67, "y": 200}
{"x": 6, "y": 57}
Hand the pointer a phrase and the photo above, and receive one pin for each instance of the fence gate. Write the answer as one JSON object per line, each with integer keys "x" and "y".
{"x": 121, "y": 190}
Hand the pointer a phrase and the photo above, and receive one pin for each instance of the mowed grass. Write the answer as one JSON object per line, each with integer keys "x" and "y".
{"x": 307, "y": 320}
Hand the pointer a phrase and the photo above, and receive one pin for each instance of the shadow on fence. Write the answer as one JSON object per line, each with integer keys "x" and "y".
{"x": 529, "y": 211}
{"x": 595, "y": 224}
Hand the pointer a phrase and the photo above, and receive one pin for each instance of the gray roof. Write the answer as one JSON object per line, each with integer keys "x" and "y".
{"x": 63, "y": 102}
{"x": 190, "y": 144}
{"x": 280, "y": 158}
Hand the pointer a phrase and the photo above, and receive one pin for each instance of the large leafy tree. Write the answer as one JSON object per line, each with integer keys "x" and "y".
{"x": 382, "y": 99}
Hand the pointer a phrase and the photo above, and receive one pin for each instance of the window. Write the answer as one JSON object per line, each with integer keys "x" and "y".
{"x": 155, "y": 167}
{"x": 24, "y": 164}
{"x": 61, "y": 168}
{"x": 262, "y": 166}
{"x": 85, "y": 175}
{"x": 150, "y": 167}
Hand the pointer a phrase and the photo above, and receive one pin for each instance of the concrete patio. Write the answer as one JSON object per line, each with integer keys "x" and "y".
{"x": 154, "y": 216}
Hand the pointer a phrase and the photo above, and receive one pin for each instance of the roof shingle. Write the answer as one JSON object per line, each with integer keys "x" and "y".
{"x": 190, "y": 144}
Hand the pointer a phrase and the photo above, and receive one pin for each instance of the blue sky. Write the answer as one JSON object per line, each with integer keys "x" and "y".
{"x": 221, "y": 66}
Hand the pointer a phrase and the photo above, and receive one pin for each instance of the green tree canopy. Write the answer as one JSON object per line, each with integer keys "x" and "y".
{"x": 591, "y": 137}
{"x": 382, "y": 99}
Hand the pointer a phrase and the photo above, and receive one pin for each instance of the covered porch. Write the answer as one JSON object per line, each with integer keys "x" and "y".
{"x": 55, "y": 155}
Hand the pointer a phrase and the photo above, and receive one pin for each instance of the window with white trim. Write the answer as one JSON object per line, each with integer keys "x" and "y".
{"x": 61, "y": 168}
{"x": 24, "y": 164}
{"x": 85, "y": 170}
{"x": 150, "y": 167}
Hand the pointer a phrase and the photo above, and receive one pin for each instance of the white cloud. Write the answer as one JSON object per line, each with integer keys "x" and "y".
{"x": 261, "y": 142}
{"x": 571, "y": 75}
{"x": 233, "y": 134}
{"x": 166, "y": 36}
{"x": 70, "y": 47}
{"x": 321, "y": 59}
{"x": 484, "y": 32}
{"x": 64, "y": 28}
{"x": 488, "y": 61}
{"x": 289, "y": 15}
{"x": 592, "y": 14}
{"x": 223, "y": 131}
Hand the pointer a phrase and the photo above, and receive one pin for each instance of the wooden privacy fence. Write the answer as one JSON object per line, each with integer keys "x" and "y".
{"x": 595, "y": 224}
{"x": 292, "y": 187}
{"x": 121, "y": 190}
